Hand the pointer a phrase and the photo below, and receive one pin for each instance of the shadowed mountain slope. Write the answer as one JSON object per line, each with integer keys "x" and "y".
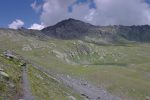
{"x": 69, "y": 29}
{"x": 132, "y": 33}
{"x": 75, "y": 29}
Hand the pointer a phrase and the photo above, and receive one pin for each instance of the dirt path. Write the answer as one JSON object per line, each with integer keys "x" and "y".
{"x": 26, "y": 86}
{"x": 88, "y": 91}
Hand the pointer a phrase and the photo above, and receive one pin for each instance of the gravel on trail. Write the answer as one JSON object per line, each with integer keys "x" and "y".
{"x": 87, "y": 90}
{"x": 26, "y": 86}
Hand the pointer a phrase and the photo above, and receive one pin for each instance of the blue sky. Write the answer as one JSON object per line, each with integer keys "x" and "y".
{"x": 148, "y": 1}
{"x": 102, "y": 14}
{"x": 17, "y": 9}
{"x": 21, "y": 9}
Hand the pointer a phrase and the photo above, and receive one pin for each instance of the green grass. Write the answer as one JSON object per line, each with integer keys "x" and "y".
{"x": 12, "y": 68}
{"x": 46, "y": 88}
{"x": 127, "y": 77}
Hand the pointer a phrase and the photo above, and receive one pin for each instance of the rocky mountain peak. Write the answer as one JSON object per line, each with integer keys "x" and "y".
{"x": 68, "y": 29}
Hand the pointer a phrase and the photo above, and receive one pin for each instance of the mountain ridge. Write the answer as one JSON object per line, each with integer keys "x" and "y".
{"x": 76, "y": 29}
{"x": 68, "y": 29}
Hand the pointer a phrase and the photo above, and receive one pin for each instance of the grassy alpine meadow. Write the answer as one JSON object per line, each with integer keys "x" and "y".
{"x": 124, "y": 69}
{"x": 46, "y": 87}
{"x": 10, "y": 79}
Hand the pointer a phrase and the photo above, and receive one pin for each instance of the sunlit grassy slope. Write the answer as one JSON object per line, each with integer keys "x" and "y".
{"x": 124, "y": 69}
{"x": 11, "y": 86}
{"x": 45, "y": 87}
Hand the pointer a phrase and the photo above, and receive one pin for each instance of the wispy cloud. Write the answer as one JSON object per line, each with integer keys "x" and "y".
{"x": 35, "y": 6}
{"x": 90, "y": 3}
{"x": 16, "y": 24}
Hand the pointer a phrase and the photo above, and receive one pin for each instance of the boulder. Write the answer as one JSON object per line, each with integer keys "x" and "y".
{"x": 10, "y": 55}
{"x": 3, "y": 74}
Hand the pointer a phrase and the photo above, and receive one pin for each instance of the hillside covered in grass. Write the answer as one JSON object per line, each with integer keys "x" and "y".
{"x": 111, "y": 62}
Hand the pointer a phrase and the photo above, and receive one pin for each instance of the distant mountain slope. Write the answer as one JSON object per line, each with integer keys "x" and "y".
{"x": 69, "y": 29}
{"x": 75, "y": 29}
{"x": 24, "y": 32}
{"x": 132, "y": 33}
